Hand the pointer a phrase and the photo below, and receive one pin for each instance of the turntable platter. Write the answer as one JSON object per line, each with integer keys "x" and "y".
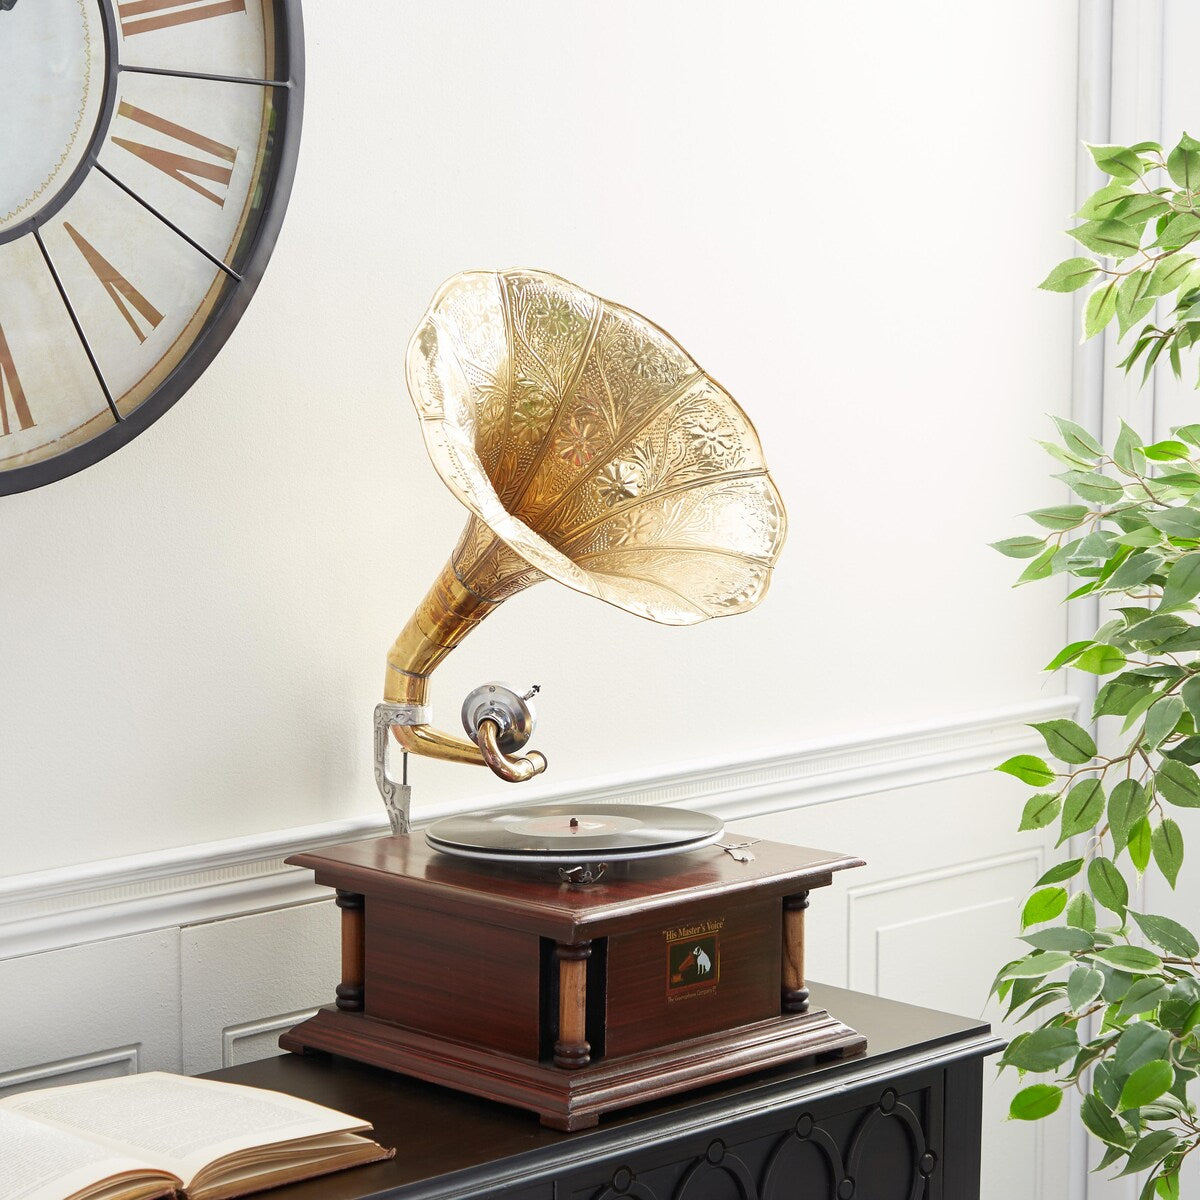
{"x": 574, "y": 833}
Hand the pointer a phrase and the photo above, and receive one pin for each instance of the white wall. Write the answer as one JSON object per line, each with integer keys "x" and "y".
{"x": 841, "y": 211}
{"x": 825, "y": 203}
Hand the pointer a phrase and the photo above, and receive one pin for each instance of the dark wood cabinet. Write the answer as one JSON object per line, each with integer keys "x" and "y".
{"x": 900, "y": 1123}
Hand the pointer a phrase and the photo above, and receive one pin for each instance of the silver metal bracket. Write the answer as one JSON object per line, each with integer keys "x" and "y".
{"x": 583, "y": 875}
{"x": 397, "y": 795}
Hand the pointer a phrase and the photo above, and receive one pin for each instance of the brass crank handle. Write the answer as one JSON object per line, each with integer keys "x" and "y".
{"x": 515, "y": 770}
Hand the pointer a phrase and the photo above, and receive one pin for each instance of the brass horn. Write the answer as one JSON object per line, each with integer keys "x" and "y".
{"x": 589, "y": 448}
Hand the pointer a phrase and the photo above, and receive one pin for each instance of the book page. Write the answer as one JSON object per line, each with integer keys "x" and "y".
{"x": 40, "y": 1163}
{"x": 177, "y": 1123}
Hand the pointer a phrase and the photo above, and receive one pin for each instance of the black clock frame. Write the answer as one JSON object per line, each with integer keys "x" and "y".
{"x": 289, "y": 80}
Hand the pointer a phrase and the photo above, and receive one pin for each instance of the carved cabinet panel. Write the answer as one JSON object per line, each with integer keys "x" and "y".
{"x": 876, "y": 1143}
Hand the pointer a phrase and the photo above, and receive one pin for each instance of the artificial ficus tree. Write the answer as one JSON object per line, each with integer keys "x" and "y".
{"x": 1112, "y": 994}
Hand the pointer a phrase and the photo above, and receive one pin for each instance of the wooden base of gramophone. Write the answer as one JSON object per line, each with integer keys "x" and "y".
{"x": 669, "y": 973}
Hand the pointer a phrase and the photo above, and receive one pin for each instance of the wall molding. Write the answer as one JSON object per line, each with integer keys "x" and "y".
{"x": 117, "y": 897}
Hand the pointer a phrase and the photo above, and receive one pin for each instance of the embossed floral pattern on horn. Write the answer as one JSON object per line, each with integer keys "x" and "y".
{"x": 592, "y": 449}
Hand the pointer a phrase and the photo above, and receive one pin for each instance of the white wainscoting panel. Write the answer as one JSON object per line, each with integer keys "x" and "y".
{"x": 246, "y": 980}
{"x": 929, "y": 921}
{"x": 88, "y": 1012}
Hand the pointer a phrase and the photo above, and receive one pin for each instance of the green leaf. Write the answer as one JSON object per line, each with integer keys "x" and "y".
{"x": 1043, "y": 905}
{"x": 1077, "y": 440}
{"x": 1100, "y": 308}
{"x": 1127, "y": 805}
{"x": 1134, "y": 571}
{"x": 1081, "y": 912}
{"x": 1110, "y": 237}
{"x": 1063, "y": 456}
{"x": 1061, "y": 938}
{"x": 1101, "y": 1122}
{"x": 1144, "y": 995}
{"x": 1038, "y": 964}
{"x": 1108, "y": 885}
{"x": 1058, "y": 873}
{"x": 1146, "y": 1084}
{"x": 1151, "y": 1149}
{"x": 1176, "y": 782}
{"x": 1156, "y": 629}
{"x": 1189, "y": 433}
{"x": 1060, "y": 516}
{"x": 1185, "y": 751}
{"x": 1132, "y": 305}
{"x": 1183, "y": 580}
{"x": 1167, "y": 844}
{"x": 1167, "y": 451}
{"x": 1043, "y": 1050}
{"x": 1067, "y": 654}
{"x": 1083, "y": 986}
{"x": 1177, "y": 522}
{"x": 1099, "y": 660}
{"x": 1193, "y": 1018}
{"x": 1167, "y": 1186}
{"x": 1040, "y": 810}
{"x": 1129, "y": 443}
{"x": 1035, "y": 1102}
{"x": 1040, "y": 568}
{"x": 1028, "y": 769}
{"x": 1161, "y": 720}
{"x": 1145, "y": 536}
{"x": 1170, "y": 935}
{"x": 1119, "y": 695}
{"x": 1102, "y": 202}
{"x": 1134, "y": 209}
{"x": 1140, "y": 1043}
{"x": 1070, "y": 275}
{"x": 1091, "y": 485}
{"x": 1183, "y": 164}
{"x": 1082, "y": 809}
{"x": 1133, "y": 960}
{"x": 1067, "y": 741}
{"x": 1140, "y": 844}
{"x": 1190, "y": 693}
{"x": 1120, "y": 162}
{"x": 1169, "y": 274}
{"x": 1178, "y": 231}
{"x": 1025, "y": 546}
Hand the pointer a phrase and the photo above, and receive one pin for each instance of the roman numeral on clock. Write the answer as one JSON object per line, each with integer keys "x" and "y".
{"x": 160, "y": 14}
{"x": 180, "y": 167}
{"x": 119, "y": 289}
{"x": 11, "y": 391}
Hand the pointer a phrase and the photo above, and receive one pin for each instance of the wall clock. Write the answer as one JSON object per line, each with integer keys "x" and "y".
{"x": 146, "y": 156}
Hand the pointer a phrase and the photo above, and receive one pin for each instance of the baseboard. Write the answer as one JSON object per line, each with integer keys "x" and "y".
{"x": 116, "y": 897}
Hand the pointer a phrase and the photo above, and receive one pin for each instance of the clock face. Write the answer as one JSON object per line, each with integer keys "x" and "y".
{"x": 146, "y": 157}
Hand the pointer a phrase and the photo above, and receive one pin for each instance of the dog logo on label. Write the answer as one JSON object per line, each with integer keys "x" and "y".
{"x": 692, "y": 963}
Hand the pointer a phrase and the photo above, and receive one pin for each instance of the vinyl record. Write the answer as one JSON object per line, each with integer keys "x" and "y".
{"x": 574, "y": 832}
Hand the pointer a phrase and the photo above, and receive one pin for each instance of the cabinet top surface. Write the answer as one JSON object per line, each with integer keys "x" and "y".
{"x": 406, "y": 868}
{"x": 440, "y": 1133}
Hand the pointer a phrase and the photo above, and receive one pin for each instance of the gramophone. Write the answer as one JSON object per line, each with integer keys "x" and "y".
{"x": 570, "y": 958}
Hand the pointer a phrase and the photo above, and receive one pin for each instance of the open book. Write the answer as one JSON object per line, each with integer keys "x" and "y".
{"x": 154, "y": 1135}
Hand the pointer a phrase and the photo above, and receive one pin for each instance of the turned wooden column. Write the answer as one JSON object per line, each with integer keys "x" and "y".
{"x": 795, "y": 994}
{"x": 350, "y": 990}
{"x": 571, "y": 1049}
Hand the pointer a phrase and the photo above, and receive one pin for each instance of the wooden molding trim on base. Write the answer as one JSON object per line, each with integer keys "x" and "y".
{"x": 576, "y": 1099}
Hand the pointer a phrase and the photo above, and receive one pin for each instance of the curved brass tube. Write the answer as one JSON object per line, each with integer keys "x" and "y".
{"x": 447, "y": 614}
{"x": 515, "y": 770}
